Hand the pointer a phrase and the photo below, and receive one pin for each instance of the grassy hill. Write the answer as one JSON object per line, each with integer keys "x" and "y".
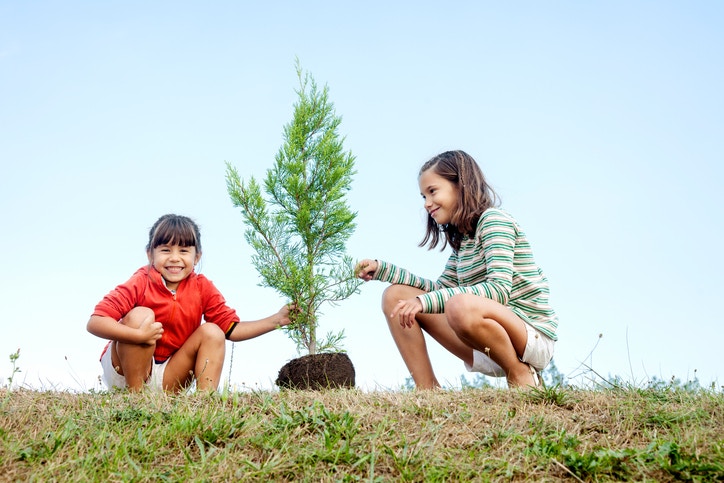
{"x": 487, "y": 434}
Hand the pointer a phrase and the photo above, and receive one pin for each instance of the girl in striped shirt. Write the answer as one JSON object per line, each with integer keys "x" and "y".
{"x": 490, "y": 305}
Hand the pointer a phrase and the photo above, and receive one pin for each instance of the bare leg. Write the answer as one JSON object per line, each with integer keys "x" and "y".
{"x": 202, "y": 355}
{"x": 133, "y": 361}
{"x": 490, "y": 327}
{"x": 411, "y": 341}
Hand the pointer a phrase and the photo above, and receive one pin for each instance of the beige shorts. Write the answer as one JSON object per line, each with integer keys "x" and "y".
{"x": 112, "y": 379}
{"x": 538, "y": 353}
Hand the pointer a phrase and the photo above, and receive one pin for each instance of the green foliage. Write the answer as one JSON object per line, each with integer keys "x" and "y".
{"x": 14, "y": 362}
{"x": 336, "y": 431}
{"x": 299, "y": 230}
{"x": 552, "y": 376}
{"x": 553, "y": 395}
{"x": 349, "y": 435}
{"x": 46, "y": 446}
{"x": 675, "y": 384}
{"x": 478, "y": 382}
{"x": 603, "y": 463}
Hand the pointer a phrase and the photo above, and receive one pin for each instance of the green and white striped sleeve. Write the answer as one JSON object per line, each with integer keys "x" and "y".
{"x": 388, "y": 272}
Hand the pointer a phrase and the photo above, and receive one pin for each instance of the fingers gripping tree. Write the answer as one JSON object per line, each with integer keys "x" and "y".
{"x": 299, "y": 231}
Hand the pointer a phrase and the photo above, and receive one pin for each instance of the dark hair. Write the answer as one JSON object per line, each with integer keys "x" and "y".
{"x": 475, "y": 196}
{"x": 174, "y": 230}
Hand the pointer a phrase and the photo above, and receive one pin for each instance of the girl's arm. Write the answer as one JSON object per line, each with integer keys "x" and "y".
{"x": 107, "y": 328}
{"x": 388, "y": 272}
{"x": 249, "y": 330}
{"x": 487, "y": 269}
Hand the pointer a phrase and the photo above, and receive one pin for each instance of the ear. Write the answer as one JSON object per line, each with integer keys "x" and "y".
{"x": 149, "y": 254}
{"x": 197, "y": 258}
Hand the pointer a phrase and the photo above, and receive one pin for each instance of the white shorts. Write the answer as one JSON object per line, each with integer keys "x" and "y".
{"x": 112, "y": 379}
{"x": 538, "y": 353}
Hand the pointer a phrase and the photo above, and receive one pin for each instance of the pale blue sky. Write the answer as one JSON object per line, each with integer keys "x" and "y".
{"x": 601, "y": 125}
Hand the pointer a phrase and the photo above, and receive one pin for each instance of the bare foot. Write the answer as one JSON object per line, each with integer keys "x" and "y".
{"x": 525, "y": 375}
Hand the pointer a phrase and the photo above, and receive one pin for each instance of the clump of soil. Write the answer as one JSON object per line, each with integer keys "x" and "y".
{"x": 317, "y": 371}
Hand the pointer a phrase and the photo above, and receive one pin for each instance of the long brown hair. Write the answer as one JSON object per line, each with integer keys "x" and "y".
{"x": 475, "y": 196}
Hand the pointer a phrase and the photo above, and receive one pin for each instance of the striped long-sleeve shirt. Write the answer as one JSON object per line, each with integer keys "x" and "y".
{"x": 496, "y": 263}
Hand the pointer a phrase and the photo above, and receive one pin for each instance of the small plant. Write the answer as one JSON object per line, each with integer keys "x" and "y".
{"x": 552, "y": 395}
{"x": 299, "y": 231}
{"x": 14, "y": 362}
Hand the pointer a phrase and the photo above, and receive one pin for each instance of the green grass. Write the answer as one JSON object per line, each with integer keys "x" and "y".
{"x": 550, "y": 434}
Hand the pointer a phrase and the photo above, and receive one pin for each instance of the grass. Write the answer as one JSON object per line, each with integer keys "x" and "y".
{"x": 473, "y": 434}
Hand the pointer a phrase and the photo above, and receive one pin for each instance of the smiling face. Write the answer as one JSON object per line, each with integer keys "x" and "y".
{"x": 440, "y": 195}
{"x": 174, "y": 262}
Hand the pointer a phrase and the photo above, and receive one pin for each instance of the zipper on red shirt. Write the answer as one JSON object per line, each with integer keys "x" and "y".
{"x": 173, "y": 309}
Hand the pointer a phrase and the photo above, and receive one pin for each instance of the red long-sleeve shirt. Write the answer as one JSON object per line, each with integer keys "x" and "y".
{"x": 179, "y": 311}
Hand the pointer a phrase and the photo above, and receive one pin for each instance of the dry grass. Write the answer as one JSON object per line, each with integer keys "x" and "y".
{"x": 347, "y": 435}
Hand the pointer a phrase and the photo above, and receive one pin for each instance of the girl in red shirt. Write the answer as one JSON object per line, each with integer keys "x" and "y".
{"x": 153, "y": 320}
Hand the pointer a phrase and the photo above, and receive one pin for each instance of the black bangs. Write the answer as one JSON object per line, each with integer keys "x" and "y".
{"x": 175, "y": 230}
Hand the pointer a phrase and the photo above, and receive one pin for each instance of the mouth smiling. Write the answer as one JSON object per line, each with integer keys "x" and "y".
{"x": 174, "y": 270}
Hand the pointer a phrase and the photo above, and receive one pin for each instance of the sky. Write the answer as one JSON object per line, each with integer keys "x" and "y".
{"x": 599, "y": 124}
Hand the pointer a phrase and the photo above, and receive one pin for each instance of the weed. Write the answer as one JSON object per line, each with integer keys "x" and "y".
{"x": 15, "y": 369}
{"x": 554, "y": 395}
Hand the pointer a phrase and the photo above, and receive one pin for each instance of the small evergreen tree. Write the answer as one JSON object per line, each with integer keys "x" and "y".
{"x": 300, "y": 230}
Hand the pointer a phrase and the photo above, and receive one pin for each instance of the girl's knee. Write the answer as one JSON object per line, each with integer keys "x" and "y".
{"x": 387, "y": 294}
{"x": 212, "y": 332}
{"x": 138, "y": 315}
{"x": 458, "y": 306}
{"x": 393, "y": 294}
{"x": 463, "y": 311}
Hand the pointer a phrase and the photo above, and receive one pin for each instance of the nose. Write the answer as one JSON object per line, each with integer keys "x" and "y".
{"x": 427, "y": 204}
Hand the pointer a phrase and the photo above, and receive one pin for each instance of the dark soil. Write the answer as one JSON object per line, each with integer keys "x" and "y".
{"x": 317, "y": 371}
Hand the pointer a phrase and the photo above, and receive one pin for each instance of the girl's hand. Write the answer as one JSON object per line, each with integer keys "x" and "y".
{"x": 284, "y": 313}
{"x": 407, "y": 309}
{"x": 366, "y": 269}
{"x": 149, "y": 331}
